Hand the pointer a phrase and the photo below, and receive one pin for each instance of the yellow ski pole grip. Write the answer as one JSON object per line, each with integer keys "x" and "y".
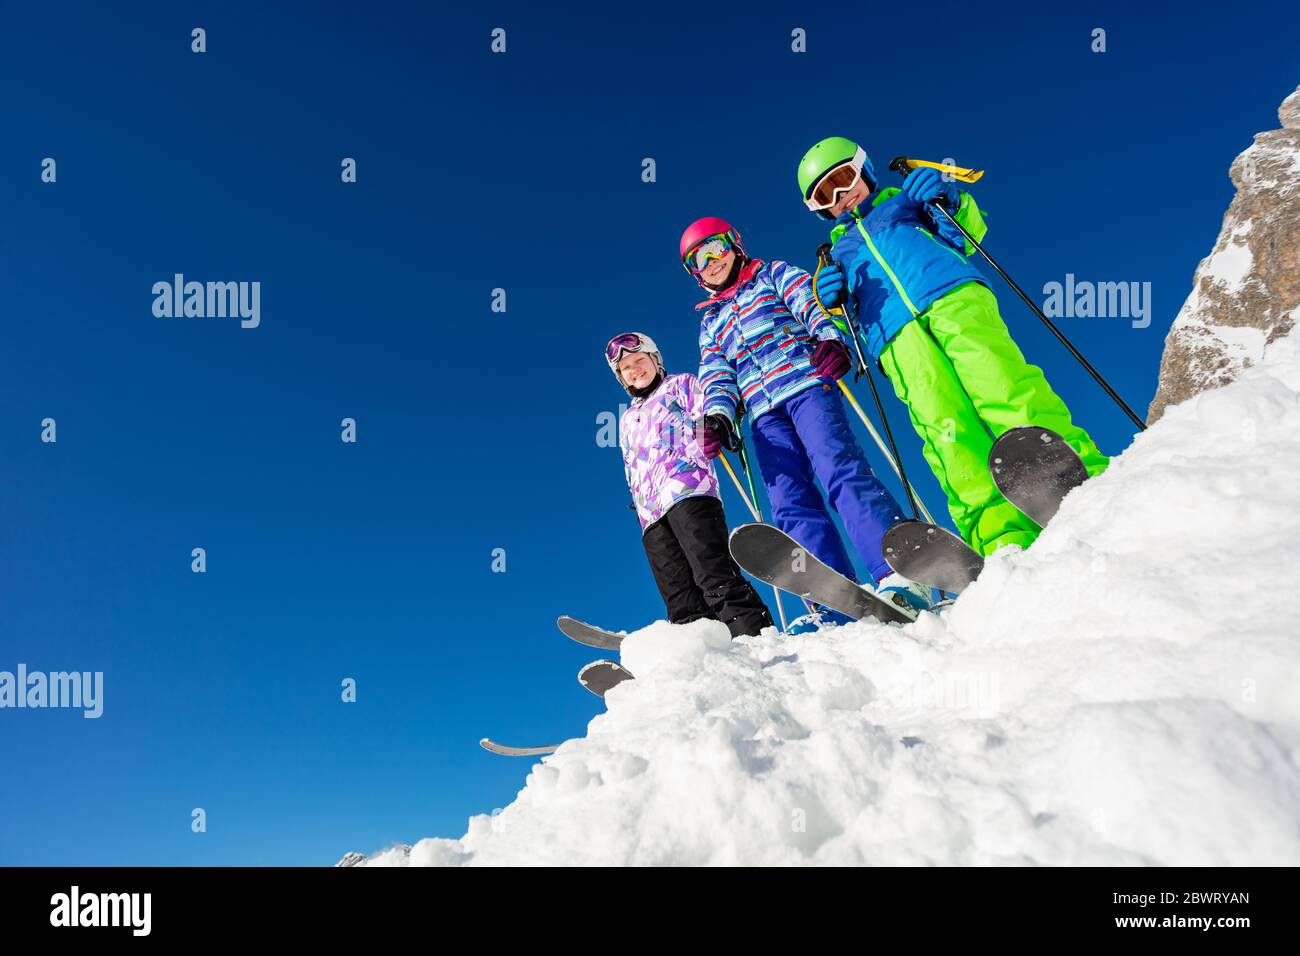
{"x": 905, "y": 164}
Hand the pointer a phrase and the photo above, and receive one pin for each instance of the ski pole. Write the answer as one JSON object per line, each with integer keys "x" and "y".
{"x": 753, "y": 494}
{"x": 913, "y": 499}
{"x": 824, "y": 262}
{"x": 851, "y": 321}
{"x": 902, "y": 165}
{"x": 753, "y": 510}
{"x": 740, "y": 488}
{"x": 749, "y": 472}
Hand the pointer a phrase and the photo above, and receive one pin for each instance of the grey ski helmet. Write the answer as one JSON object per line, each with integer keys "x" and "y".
{"x": 631, "y": 342}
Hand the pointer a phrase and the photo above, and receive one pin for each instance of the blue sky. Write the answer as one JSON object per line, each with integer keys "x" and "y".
{"x": 476, "y": 430}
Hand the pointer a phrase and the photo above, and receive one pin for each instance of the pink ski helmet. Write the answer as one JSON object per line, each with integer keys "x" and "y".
{"x": 702, "y": 229}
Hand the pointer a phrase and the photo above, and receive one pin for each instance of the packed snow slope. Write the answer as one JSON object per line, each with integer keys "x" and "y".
{"x": 1125, "y": 692}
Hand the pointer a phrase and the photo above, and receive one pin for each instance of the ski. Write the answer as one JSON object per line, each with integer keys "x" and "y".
{"x": 1035, "y": 468}
{"x": 774, "y": 557}
{"x": 932, "y": 555}
{"x": 492, "y": 746}
{"x": 589, "y": 634}
{"x": 600, "y": 677}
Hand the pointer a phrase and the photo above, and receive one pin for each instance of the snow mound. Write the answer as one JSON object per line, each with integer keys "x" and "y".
{"x": 1125, "y": 692}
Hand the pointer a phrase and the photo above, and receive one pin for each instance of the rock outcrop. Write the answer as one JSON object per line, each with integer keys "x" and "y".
{"x": 1246, "y": 293}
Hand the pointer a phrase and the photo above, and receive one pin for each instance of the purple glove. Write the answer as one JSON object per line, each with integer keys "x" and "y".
{"x": 830, "y": 360}
{"x": 714, "y": 435}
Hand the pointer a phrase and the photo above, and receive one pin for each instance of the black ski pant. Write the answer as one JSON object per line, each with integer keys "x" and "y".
{"x": 697, "y": 578}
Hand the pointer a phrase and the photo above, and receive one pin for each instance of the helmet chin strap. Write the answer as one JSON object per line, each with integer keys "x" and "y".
{"x": 649, "y": 389}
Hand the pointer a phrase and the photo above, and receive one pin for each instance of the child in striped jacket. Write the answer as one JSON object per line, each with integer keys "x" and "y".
{"x": 767, "y": 346}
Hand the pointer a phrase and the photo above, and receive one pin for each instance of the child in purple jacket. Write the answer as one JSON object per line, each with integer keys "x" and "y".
{"x": 675, "y": 491}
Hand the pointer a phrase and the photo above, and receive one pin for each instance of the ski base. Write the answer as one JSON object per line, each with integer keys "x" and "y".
{"x": 934, "y": 556}
{"x": 589, "y": 634}
{"x": 772, "y": 556}
{"x": 1035, "y": 468}
{"x": 600, "y": 677}
{"x": 506, "y": 751}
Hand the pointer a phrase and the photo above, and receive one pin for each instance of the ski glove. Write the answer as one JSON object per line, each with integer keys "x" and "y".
{"x": 831, "y": 360}
{"x": 924, "y": 184}
{"x": 830, "y": 285}
{"x": 715, "y": 434}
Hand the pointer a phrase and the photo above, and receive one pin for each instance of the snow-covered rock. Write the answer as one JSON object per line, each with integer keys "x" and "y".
{"x": 1246, "y": 293}
{"x": 1125, "y": 692}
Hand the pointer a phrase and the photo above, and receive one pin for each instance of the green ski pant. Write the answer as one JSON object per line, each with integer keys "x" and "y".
{"x": 965, "y": 382}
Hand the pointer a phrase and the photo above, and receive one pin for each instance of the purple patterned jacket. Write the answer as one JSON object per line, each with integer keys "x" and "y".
{"x": 661, "y": 457}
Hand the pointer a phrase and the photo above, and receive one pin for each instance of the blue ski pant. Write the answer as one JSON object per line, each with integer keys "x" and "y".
{"x": 809, "y": 435}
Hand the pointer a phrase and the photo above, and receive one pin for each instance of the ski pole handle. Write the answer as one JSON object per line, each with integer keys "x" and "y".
{"x": 902, "y": 165}
{"x": 843, "y": 311}
{"x": 905, "y": 164}
{"x": 824, "y": 261}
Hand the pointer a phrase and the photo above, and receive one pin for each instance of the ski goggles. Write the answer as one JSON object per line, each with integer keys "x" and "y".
{"x": 837, "y": 180}
{"x": 697, "y": 259}
{"x": 627, "y": 342}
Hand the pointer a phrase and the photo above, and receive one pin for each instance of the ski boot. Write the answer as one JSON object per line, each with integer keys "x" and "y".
{"x": 899, "y": 589}
{"x": 818, "y": 617}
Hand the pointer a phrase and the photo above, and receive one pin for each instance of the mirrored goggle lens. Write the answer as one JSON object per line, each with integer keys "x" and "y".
{"x": 836, "y": 181}
{"x": 619, "y": 344}
{"x": 715, "y": 247}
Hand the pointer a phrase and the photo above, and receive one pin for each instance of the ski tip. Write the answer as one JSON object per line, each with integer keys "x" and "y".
{"x": 504, "y": 750}
{"x": 601, "y": 664}
{"x": 741, "y": 527}
{"x": 601, "y": 676}
{"x": 1024, "y": 433}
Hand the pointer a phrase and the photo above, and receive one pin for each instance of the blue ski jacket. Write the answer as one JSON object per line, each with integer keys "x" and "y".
{"x": 899, "y": 257}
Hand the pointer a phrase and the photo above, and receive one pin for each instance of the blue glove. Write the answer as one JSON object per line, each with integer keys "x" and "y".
{"x": 830, "y": 285}
{"x": 924, "y": 184}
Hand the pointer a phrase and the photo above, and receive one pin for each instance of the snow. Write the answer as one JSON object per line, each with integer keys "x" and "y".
{"x": 1230, "y": 266}
{"x": 1242, "y": 344}
{"x": 1124, "y": 692}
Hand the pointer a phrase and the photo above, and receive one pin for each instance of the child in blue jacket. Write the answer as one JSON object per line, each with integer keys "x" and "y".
{"x": 931, "y": 321}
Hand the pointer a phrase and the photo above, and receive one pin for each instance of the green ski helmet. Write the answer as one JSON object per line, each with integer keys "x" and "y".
{"x": 827, "y": 155}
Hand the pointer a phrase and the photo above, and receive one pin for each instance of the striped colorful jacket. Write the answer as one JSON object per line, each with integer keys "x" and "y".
{"x": 757, "y": 338}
